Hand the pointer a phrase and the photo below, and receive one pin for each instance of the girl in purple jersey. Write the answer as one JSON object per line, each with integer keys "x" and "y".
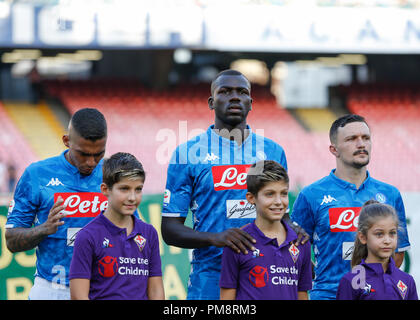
{"x": 374, "y": 275}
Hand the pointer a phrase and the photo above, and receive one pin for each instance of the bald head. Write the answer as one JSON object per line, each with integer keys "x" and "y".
{"x": 228, "y": 72}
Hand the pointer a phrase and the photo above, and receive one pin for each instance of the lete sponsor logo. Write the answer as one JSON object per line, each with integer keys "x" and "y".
{"x": 344, "y": 219}
{"x": 230, "y": 176}
{"x": 82, "y": 204}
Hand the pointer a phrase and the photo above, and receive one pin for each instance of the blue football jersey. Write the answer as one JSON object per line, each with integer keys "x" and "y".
{"x": 207, "y": 175}
{"x": 37, "y": 190}
{"x": 328, "y": 210}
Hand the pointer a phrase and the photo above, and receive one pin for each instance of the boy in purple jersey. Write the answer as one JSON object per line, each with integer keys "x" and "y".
{"x": 374, "y": 275}
{"x": 116, "y": 256}
{"x": 276, "y": 269}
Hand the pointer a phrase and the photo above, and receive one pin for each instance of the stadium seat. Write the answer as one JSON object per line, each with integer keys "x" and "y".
{"x": 13, "y": 146}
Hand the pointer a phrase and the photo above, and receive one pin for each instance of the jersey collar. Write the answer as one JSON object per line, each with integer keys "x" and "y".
{"x": 345, "y": 184}
{"x": 291, "y": 235}
{"x": 114, "y": 230}
{"x": 215, "y": 138}
{"x": 377, "y": 267}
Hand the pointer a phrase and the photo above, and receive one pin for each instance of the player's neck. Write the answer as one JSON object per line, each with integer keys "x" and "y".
{"x": 352, "y": 175}
{"x": 271, "y": 229}
{"x": 237, "y": 133}
{"x": 120, "y": 220}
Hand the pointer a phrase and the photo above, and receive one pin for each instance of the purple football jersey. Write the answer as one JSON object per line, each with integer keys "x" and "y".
{"x": 368, "y": 281}
{"x": 117, "y": 265}
{"x": 271, "y": 272}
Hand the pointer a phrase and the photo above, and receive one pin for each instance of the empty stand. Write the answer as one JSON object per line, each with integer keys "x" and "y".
{"x": 393, "y": 113}
{"x": 13, "y": 146}
{"x": 39, "y": 126}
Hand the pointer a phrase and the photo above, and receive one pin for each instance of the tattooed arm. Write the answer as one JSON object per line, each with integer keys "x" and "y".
{"x": 23, "y": 239}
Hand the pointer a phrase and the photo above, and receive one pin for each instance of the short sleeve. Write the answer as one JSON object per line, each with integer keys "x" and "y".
{"x": 303, "y": 215}
{"x": 179, "y": 185}
{"x": 229, "y": 275}
{"x": 155, "y": 269}
{"x": 305, "y": 274}
{"x": 25, "y": 203}
{"x": 345, "y": 290}
{"x": 81, "y": 262}
{"x": 282, "y": 159}
{"x": 403, "y": 242}
{"x": 412, "y": 294}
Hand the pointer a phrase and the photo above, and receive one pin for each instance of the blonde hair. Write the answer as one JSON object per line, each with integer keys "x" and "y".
{"x": 371, "y": 212}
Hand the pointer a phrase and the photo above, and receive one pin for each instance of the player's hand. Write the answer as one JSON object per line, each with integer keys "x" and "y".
{"x": 303, "y": 237}
{"x": 54, "y": 217}
{"x": 237, "y": 239}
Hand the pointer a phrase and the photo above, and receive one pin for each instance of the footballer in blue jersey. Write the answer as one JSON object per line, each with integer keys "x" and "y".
{"x": 328, "y": 209}
{"x": 37, "y": 190}
{"x": 54, "y": 199}
{"x": 207, "y": 175}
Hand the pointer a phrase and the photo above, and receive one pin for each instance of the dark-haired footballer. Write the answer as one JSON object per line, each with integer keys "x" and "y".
{"x": 54, "y": 199}
{"x": 329, "y": 208}
{"x": 207, "y": 175}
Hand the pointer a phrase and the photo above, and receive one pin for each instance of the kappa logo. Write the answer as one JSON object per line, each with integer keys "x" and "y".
{"x": 54, "y": 182}
{"x": 328, "y": 199}
{"x": 211, "y": 157}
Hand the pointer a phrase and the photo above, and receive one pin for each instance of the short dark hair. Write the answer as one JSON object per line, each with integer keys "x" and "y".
{"x": 89, "y": 123}
{"x": 341, "y": 122}
{"x": 263, "y": 172}
{"x": 121, "y": 165}
{"x": 227, "y": 72}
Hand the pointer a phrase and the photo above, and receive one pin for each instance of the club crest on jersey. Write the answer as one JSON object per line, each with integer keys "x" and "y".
{"x": 402, "y": 288}
{"x": 294, "y": 252}
{"x": 380, "y": 197}
{"x": 140, "y": 241}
